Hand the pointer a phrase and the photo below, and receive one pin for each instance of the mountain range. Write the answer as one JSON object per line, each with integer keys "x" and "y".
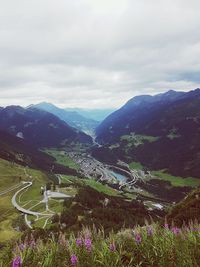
{"x": 38, "y": 127}
{"x": 168, "y": 125}
{"x": 71, "y": 117}
{"x": 162, "y": 132}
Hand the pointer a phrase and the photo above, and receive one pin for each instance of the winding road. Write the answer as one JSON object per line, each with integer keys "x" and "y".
{"x": 21, "y": 209}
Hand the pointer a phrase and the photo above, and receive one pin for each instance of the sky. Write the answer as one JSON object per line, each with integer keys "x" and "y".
{"x": 96, "y": 53}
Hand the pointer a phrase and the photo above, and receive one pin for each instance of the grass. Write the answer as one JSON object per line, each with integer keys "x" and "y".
{"x": 56, "y": 205}
{"x": 69, "y": 178}
{"x": 137, "y": 139}
{"x": 9, "y": 176}
{"x": 40, "y": 223}
{"x": 33, "y": 193}
{"x": 62, "y": 158}
{"x": 101, "y": 188}
{"x": 176, "y": 180}
{"x": 135, "y": 165}
{"x": 150, "y": 245}
{"x": 8, "y": 215}
{"x": 92, "y": 183}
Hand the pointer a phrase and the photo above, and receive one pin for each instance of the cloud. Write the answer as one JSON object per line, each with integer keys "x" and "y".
{"x": 96, "y": 53}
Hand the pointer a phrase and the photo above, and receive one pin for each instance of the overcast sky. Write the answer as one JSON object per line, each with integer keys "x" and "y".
{"x": 96, "y": 53}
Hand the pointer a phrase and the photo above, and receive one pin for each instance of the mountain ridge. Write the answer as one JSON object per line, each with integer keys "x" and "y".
{"x": 73, "y": 118}
{"x": 172, "y": 119}
{"x": 38, "y": 127}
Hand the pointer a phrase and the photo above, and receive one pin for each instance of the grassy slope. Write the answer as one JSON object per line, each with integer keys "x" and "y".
{"x": 62, "y": 159}
{"x": 9, "y": 176}
{"x": 186, "y": 210}
{"x": 174, "y": 180}
{"x": 101, "y": 188}
{"x": 135, "y": 165}
{"x": 92, "y": 183}
{"x": 177, "y": 180}
{"x": 136, "y": 139}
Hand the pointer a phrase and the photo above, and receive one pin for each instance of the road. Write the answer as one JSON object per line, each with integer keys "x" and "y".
{"x": 21, "y": 209}
{"x": 59, "y": 178}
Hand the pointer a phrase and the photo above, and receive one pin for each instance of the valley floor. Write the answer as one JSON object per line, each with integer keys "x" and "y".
{"x": 39, "y": 196}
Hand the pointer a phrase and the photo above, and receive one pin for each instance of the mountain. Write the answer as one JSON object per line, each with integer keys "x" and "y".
{"x": 73, "y": 118}
{"x": 39, "y": 127}
{"x": 166, "y": 128}
{"x": 134, "y": 116}
{"x": 94, "y": 114}
{"x": 15, "y": 149}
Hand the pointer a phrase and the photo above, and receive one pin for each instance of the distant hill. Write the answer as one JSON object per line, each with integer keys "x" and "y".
{"x": 39, "y": 127}
{"x": 94, "y": 114}
{"x": 169, "y": 125}
{"x": 73, "y": 118}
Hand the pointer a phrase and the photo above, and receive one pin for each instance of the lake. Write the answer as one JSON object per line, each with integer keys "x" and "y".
{"x": 119, "y": 176}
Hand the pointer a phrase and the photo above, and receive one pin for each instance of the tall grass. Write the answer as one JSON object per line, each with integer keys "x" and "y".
{"x": 151, "y": 245}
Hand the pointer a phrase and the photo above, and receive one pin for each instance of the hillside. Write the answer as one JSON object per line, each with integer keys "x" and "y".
{"x": 73, "y": 118}
{"x": 187, "y": 210}
{"x": 38, "y": 127}
{"x": 17, "y": 150}
{"x": 161, "y": 132}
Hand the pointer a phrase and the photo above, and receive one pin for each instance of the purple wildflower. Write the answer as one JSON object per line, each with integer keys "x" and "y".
{"x": 17, "y": 262}
{"x": 149, "y": 231}
{"x": 79, "y": 242}
{"x": 74, "y": 260}
{"x": 112, "y": 247}
{"x": 138, "y": 238}
{"x": 88, "y": 244}
{"x": 175, "y": 230}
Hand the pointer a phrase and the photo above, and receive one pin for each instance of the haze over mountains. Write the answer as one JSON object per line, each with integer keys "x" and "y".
{"x": 95, "y": 114}
{"x": 73, "y": 118}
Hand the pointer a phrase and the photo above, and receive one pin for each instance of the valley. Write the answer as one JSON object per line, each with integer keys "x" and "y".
{"x": 64, "y": 183}
{"x": 36, "y": 208}
{"x": 39, "y": 207}
{"x": 99, "y": 133}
